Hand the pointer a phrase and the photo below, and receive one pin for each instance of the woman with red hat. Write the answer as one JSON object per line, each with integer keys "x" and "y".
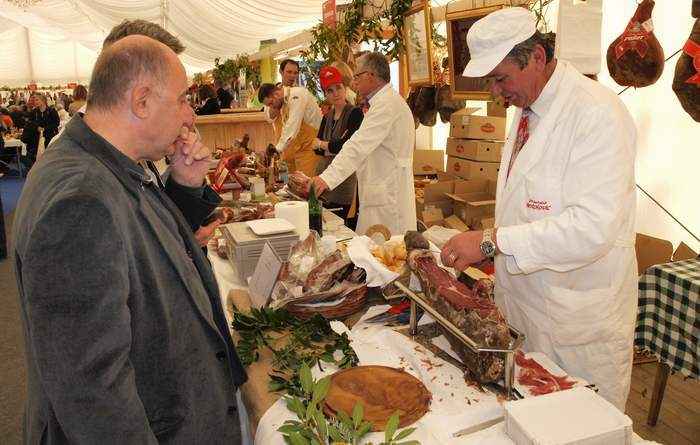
{"x": 337, "y": 126}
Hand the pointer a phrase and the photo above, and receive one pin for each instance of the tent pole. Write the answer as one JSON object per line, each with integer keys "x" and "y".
{"x": 163, "y": 14}
{"x": 29, "y": 54}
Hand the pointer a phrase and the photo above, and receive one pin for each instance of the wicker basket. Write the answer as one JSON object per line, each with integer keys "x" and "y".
{"x": 353, "y": 302}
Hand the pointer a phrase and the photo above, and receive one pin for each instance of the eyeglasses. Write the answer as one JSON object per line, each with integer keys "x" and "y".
{"x": 356, "y": 76}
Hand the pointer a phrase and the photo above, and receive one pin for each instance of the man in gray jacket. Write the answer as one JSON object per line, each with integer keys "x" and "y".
{"x": 126, "y": 339}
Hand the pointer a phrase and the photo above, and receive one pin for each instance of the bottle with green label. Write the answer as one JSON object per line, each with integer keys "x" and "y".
{"x": 315, "y": 212}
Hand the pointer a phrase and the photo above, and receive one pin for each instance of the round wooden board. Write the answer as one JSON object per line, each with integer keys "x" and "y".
{"x": 381, "y": 391}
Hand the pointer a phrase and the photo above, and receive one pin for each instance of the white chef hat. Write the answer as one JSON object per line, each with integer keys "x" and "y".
{"x": 491, "y": 38}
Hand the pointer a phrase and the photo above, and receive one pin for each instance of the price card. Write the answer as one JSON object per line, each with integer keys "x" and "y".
{"x": 265, "y": 276}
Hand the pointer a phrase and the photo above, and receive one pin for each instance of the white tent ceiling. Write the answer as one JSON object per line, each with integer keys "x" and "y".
{"x": 57, "y": 41}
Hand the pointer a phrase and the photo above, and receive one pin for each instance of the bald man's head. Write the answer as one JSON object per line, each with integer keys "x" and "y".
{"x": 129, "y": 60}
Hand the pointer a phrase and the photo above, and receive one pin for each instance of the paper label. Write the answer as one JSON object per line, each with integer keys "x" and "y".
{"x": 465, "y": 120}
{"x": 634, "y": 38}
{"x": 265, "y": 276}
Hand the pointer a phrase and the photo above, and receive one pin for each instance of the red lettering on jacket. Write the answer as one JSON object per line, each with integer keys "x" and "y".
{"x": 538, "y": 205}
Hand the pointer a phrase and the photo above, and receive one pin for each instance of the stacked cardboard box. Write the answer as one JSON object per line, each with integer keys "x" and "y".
{"x": 475, "y": 144}
{"x": 474, "y": 202}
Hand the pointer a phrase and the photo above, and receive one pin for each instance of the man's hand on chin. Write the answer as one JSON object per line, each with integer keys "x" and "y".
{"x": 190, "y": 161}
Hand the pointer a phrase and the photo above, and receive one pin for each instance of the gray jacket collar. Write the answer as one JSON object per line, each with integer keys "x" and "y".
{"x": 127, "y": 171}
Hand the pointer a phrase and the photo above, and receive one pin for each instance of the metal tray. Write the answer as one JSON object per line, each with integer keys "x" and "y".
{"x": 517, "y": 337}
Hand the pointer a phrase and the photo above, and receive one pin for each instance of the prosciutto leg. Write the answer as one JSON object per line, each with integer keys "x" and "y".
{"x": 474, "y": 313}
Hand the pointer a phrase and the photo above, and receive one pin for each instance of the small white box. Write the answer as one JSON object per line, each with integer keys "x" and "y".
{"x": 575, "y": 416}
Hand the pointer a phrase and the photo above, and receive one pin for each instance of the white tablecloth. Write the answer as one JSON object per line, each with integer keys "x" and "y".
{"x": 378, "y": 345}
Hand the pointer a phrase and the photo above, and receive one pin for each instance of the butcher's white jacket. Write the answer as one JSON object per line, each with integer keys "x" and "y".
{"x": 565, "y": 217}
{"x": 302, "y": 108}
{"x": 381, "y": 152}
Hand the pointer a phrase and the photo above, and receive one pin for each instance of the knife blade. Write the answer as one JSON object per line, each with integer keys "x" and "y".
{"x": 478, "y": 427}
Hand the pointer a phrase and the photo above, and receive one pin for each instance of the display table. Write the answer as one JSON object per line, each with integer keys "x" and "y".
{"x": 455, "y": 404}
{"x": 16, "y": 147}
{"x": 667, "y": 323}
{"x": 220, "y": 130}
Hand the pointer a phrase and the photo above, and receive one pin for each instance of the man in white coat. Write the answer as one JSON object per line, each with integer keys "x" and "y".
{"x": 566, "y": 270}
{"x": 380, "y": 151}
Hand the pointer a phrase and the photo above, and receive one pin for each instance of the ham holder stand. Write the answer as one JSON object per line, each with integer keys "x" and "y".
{"x": 517, "y": 337}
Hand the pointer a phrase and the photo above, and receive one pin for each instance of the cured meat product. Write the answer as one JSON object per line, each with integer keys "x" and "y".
{"x": 686, "y": 81}
{"x": 411, "y": 102}
{"x": 474, "y": 313}
{"x": 333, "y": 269}
{"x": 425, "y": 106}
{"x": 539, "y": 380}
{"x": 298, "y": 182}
{"x": 636, "y": 58}
{"x": 446, "y": 105}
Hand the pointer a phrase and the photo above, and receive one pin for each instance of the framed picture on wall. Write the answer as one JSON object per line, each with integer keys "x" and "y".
{"x": 418, "y": 44}
{"x": 458, "y": 25}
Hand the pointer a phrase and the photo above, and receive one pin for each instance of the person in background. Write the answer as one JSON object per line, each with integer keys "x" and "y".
{"x": 338, "y": 125}
{"x": 565, "y": 206}
{"x": 211, "y": 104}
{"x": 17, "y": 116}
{"x": 296, "y": 125}
{"x": 30, "y": 136}
{"x": 289, "y": 72}
{"x": 153, "y": 359}
{"x": 223, "y": 96}
{"x": 348, "y": 76}
{"x": 79, "y": 99}
{"x": 195, "y": 204}
{"x": 63, "y": 115}
{"x": 6, "y": 118}
{"x": 380, "y": 151}
{"x": 46, "y": 117}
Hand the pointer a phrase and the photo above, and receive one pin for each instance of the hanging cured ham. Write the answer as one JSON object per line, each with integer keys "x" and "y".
{"x": 636, "y": 58}
{"x": 686, "y": 81}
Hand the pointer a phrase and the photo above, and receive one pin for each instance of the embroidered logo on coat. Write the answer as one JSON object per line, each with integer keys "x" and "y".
{"x": 539, "y": 205}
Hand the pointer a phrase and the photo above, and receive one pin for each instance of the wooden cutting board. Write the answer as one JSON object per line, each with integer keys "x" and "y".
{"x": 381, "y": 391}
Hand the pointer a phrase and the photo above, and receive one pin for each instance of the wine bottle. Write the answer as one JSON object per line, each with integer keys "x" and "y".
{"x": 315, "y": 212}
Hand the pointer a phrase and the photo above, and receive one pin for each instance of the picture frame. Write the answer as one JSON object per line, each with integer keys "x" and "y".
{"x": 418, "y": 44}
{"x": 458, "y": 25}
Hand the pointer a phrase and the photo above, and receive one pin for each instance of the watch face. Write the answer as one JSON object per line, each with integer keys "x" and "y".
{"x": 488, "y": 248}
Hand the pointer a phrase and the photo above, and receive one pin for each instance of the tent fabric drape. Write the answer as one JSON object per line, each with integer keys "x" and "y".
{"x": 58, "y": 41}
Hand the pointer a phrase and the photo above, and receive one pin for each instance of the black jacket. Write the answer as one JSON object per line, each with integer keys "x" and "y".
{"x": 225, "y": 98}
{"x": 211, "y": 106}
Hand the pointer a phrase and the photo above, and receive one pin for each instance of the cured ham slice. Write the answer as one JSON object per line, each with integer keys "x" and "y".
{"x": 537, "y": 378}
{"x": 686, "y": 80}
{"x": 636, "y": 58}
{"x": 474, "y": 313}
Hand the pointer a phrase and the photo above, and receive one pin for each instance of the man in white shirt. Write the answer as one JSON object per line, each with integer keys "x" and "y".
{"x": 296, "y": 127}
{"x": 380, "y": 151}
{"x": 289, "y": 71}
{"x": 565, "y": 206}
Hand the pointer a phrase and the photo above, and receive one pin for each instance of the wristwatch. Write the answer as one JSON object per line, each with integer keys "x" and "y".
{"x": 487, "y": 246}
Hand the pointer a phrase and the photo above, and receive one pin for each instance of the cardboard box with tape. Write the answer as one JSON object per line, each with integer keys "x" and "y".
{"x": 467, "y": 169}
{"x": 464, "y": 124}
{"x": 475, "y": 149}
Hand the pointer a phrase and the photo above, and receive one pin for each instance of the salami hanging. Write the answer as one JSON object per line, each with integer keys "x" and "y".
{"x": 686, "y": 81}
{"x": 636, "y": 58}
